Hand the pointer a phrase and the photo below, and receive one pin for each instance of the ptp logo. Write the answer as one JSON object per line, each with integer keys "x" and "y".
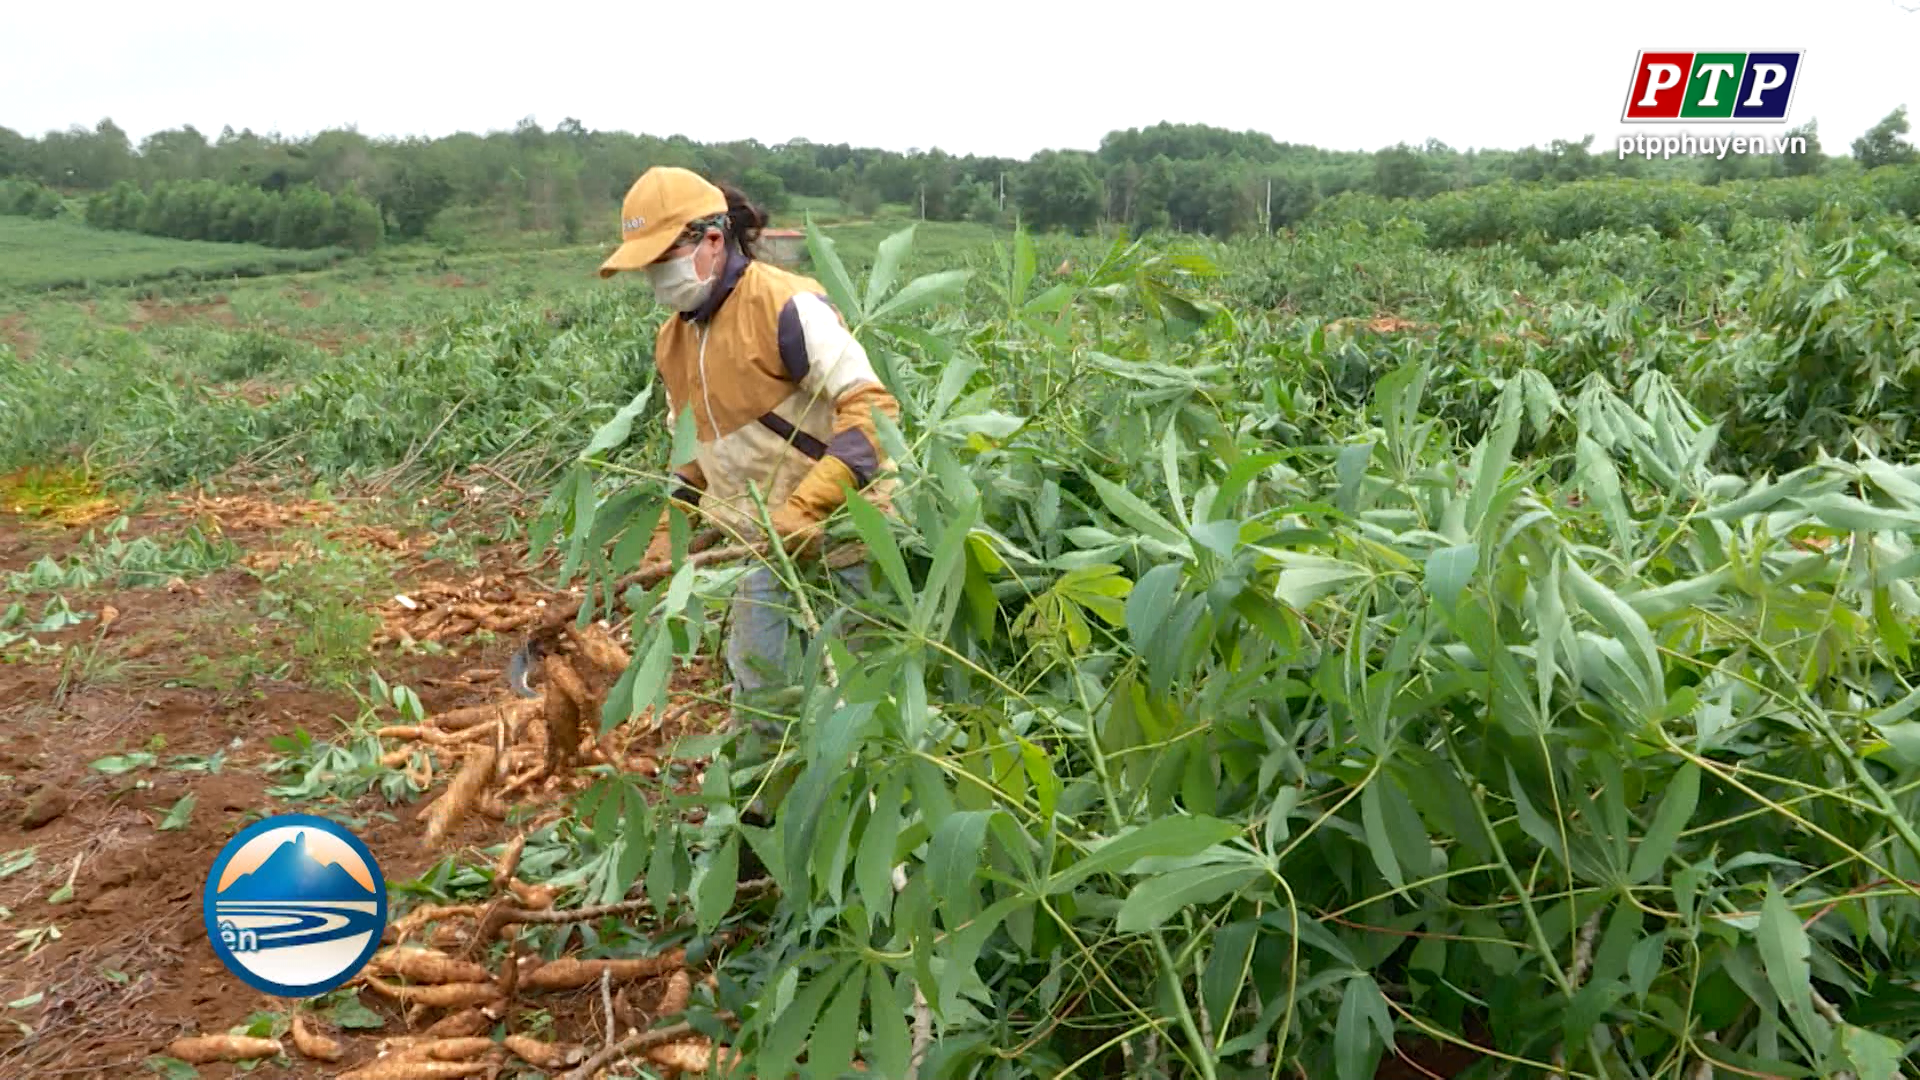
{"x": 1726, "y": 86}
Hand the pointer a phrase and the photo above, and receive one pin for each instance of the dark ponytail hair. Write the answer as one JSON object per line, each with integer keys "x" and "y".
{"x": 744, "y": 220}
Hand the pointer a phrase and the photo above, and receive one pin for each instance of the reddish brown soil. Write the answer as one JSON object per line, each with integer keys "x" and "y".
{"x": 215, "y": 310}
{"x": 133, "y": 968}
{"x": 13, "y": 331}
{"x": 332, "y": 341}
{"x": 254, "y": 391}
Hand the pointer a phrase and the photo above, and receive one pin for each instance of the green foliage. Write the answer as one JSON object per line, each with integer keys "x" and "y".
{"x": 301, "y": 217}
{"x": 26, "y": 198}
{"x": 1505, "y": 212}
{"x": 109, "y": 560}
{"x": 566, "y": 181}
{"x": 1241, "y": 695}
{"x": 1251, "y": 684}
{"x": 64, "y": 254}
{"x": 1884, "y": 144}
{"x": 1060, "y": 189}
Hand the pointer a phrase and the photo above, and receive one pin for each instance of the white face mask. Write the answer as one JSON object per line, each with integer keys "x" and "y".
{"x": 677, "y": 285}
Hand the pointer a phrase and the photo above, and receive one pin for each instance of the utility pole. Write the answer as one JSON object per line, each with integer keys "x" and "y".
{"x": 1269, "y": 218}
{"x": 1003, "y": 191}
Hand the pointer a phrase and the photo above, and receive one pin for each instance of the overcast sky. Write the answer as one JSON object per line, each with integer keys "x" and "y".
{"x": 988, "y": 77}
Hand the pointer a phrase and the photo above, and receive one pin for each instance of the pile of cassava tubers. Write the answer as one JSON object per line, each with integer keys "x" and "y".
{"x": 499, "y": 751}
{"x": 452, "y": 1002}
{"x": 443, "y": 611}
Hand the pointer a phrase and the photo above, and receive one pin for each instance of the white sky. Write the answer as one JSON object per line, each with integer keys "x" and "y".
{"x": 986, "y": 76}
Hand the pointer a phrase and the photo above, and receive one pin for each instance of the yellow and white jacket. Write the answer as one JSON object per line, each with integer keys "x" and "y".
{"x": 782, "y": 396}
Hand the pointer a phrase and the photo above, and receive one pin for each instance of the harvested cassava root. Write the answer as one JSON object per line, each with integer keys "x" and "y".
{"x": 466, "y": 1022}
{"x": 690, "y": 1056}
{"x": 387, "y": 1069}
{"x": 545, "y": 1055}
{"x": 462, "y": 795}
{"x": 312, "y": 1044}
{"x": 204, "y": 1049}
{"x": 532, "y": 739}
{"x": 427, "y": 966}
{"x": 570, "y": 973}
{"x": 460, "y": 1048}
{"x": 447, "y": 996}
{"x": 440, "y": 611}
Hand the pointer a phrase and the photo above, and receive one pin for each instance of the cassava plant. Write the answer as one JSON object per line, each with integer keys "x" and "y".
{"x": 1205, "y": 730}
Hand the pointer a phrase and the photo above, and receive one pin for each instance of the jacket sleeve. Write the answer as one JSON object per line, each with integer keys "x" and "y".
{"x": 826, "y": 359}
{"x": 690, "y": 480}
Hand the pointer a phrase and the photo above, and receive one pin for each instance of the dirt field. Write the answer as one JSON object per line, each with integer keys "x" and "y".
{"x": 103, "y": 979}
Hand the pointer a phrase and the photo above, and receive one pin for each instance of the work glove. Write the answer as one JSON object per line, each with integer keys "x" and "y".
{"x": 689, "y": 483}
{"x": 799, "y": 522}
{"x": 799, "y": 531}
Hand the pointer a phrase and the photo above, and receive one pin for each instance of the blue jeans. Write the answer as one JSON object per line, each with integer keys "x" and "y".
{"x": 761, "y": 651}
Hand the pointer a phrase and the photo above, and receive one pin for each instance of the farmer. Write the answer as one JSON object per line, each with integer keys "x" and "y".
{"x": 782, "y": 395}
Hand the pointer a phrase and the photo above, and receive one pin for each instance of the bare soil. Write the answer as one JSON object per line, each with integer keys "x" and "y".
{"x": 215, "y": 309}
{"x": 13, "y": 331}
{"x": 132, "y": 967}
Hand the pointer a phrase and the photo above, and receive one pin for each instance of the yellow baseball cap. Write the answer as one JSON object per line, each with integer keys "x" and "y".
{"x": 657, "y": 207}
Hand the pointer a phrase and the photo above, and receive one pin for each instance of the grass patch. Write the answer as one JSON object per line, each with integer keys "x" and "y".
{"x": 322, "y": 597}
{"x": 61, "y": 254}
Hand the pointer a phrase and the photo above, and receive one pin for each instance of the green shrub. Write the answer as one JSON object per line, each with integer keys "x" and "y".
{"x": 26, "y": 198}
{"x": 303, "y": 217}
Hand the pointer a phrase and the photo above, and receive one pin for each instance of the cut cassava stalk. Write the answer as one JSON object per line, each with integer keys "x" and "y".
{"x": 638, "y": 1041}
{"x": 312, "y": 1044}
{"x": 509, "y": 978}
{"x": 701, "y": 552}
{"x": 206, "y": 1049}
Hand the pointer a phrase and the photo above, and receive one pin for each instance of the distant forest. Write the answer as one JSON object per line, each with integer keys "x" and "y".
{"x": 1186, "y": 177}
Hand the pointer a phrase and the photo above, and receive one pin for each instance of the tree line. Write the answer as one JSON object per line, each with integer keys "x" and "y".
{"x": 1187, "y": 177}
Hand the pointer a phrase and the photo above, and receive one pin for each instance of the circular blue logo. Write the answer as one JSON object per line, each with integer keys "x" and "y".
{"x": 295, "y": 905}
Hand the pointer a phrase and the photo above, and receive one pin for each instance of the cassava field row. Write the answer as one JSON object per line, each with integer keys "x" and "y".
{"x": 1377, "y": 649}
